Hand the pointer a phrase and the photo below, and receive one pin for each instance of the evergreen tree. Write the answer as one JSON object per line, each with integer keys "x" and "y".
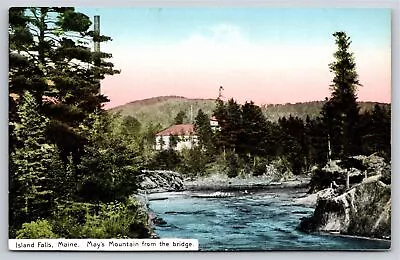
{"x": 65, "y": 151}
{"x": 341, "y": 112}
{"x": 30, "y": 185}
{"x": 110, "y": 166}
{"x": 375, "y": 130}
{"x": 229, "y": 118}
{"x": 292, "y": 142}
{"x": 203, "y": 129}
{"x": 316, "y": 142}
{"x": 54, "y": 43}
{"x": 253, "y": 138}
{"x": 180, "y": 117}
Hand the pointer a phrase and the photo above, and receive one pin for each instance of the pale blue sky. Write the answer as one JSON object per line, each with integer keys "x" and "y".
{"x": 167, "y": 25}
{"x": 268, "y": 55}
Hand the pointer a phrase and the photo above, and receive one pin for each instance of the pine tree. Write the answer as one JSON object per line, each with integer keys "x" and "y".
{"x": 232, "y": 127}
{"x": 375, "y": 130}
{"x": 204, "y": 131}
{"x": 50, "y": 56}
{"x": 30, "y": 160}
{"x": 341, "y": 112}
{"x": 180, "y": 117}
{"x": 253, "y": 138}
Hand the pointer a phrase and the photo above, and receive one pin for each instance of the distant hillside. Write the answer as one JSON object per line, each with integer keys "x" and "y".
{"x": 164, "y": 109}
{"x": 313, "y": 109}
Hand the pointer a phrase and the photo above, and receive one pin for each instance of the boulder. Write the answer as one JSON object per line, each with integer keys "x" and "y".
{"x": 364, "y": 210}
{"x": 311, "y": 199}
{"x": 159, "y": 181}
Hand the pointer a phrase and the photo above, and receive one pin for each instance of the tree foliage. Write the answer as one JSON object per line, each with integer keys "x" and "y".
{"x": 50, "y": 56}
{"x": 64, "y": 148}
{"x": 203, "y": 130}
{"x": 341, "y": 112}
{"x": 180, "y": 117}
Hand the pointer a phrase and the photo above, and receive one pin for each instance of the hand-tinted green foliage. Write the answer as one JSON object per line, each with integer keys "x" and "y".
{"x": 112, "y": 220}
{"x": 50, "y": 56}
{"x": 110, "y": 164}
{"x": 30, "y": 160}
{"x": 233, "y": 168}
{"x": 36, "y": 229}
{"x": 194, "y": 162}
{"x": 253, "y": 138}
{"x": 163, "y": 109}
{"x": 166, "y": 160}
{"x": 204, "y": 132}
{"x": 341, "y": 112}
{"x": 180, "y": 117}
{"x": 375, "y": 131}
{"x": 292, "y": 142}
{"x": 65, "y": 152}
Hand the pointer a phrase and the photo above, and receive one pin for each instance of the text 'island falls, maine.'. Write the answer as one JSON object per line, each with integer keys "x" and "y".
{"x": 247, "y": 129}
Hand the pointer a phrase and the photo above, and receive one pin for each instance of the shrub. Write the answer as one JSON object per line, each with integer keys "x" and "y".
{"x": 194, "y": 162}
{"x": 69, "y": 218}
{"x": 112, "y": 220}
{"x": 233, "y": 164}
{"x": 36, "y": 229}
{"x": 166, "y": 160}
{"x": 118, "y": 220}
{"x": 260, "y": 167}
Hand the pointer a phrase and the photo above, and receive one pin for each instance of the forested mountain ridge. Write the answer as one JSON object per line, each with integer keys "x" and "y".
{"x": 163, "y": 109}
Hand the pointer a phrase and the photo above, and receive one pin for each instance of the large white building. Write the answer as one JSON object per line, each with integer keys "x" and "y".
{"x": 184, "y": 137}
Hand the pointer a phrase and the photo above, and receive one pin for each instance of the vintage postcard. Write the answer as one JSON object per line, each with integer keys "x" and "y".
{"x": 210, "y": 129}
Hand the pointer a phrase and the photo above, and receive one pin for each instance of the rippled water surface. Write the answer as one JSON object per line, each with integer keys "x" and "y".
{"x": 259, "y": 221}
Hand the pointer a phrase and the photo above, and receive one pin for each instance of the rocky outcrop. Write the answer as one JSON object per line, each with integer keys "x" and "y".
{"x": 311, "y": 199}
{"x": 160, "y": 181}
{"x": 364, "y": 209}
{"x": 335, "y": 173}
{"x": 148, "y": 228}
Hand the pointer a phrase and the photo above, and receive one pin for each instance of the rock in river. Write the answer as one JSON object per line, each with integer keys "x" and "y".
{"x": 363, "y": 210}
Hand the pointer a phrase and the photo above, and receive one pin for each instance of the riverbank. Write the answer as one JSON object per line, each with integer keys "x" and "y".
{"x": 219, "y": 182}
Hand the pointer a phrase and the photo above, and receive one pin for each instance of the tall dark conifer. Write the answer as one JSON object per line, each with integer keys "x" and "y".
{"x": 203, "y": 130}
{"x": 50, "y": 55}
{"x": 253, "y": 137}
{"x": 341, "y": 112}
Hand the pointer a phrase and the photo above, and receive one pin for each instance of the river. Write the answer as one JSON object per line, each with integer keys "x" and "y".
{"x": 246, "y": 222}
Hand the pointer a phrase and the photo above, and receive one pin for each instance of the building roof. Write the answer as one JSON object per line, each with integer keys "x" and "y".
{"x": 182, "y": 129}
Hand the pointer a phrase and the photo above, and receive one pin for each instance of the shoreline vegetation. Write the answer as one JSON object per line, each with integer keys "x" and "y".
{"x": 342, "y": 217}
{"x": 79, "y": 171}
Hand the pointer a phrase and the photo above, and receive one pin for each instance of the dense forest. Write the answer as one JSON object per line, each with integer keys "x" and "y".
{"x": 72, "y": 169}
{"x": 164, "y": 109}
{"x": 74, "y": 166}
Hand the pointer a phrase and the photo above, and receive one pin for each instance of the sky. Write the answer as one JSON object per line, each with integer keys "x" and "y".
{"x": 265, "y": 55}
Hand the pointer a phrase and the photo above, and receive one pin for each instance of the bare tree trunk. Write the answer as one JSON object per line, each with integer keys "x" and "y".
{"x": 329, "y": 148}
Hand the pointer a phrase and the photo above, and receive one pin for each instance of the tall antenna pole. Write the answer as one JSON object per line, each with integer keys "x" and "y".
{"x": 97, "y": 32}
{"x": 97, "y": 48}
{"x": 220, "y": 96}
